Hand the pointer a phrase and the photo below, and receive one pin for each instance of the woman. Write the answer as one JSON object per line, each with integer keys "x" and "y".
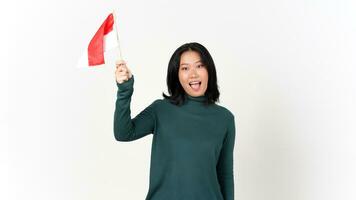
{"x": 193, "y": 138}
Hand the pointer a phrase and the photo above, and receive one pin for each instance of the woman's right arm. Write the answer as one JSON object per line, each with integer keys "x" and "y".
{"x": 125, "y": 128}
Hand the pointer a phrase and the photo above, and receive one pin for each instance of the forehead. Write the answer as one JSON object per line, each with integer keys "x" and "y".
{"x": 190, "y": 57}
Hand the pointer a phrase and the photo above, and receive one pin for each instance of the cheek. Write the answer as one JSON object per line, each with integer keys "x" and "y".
{"x": 181, "y": 79}
{"x": 204, "y": 76}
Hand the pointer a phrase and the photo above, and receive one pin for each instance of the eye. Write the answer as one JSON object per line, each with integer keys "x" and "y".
{"x": 200, "y": 66}
{"x": 184, "y": 68}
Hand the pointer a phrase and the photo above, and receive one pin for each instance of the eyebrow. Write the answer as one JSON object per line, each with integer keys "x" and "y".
{"x": 187, "y": 63}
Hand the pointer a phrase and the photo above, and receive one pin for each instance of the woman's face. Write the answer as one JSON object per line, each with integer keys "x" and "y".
{"x": 193, "y": 75}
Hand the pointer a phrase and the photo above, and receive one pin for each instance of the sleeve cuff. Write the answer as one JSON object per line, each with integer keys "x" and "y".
{"x": 126, "y": 85}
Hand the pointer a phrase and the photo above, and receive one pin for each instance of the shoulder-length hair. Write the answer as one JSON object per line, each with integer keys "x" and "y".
{"x": 175, "y": 89}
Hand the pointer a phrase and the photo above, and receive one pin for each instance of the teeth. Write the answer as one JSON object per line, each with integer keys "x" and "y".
{"x": 196, "y": 82}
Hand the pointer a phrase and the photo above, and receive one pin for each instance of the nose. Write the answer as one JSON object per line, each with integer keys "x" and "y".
{"x": 193, "y": 73}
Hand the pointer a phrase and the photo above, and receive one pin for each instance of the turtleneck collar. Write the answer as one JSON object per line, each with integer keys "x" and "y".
{"x": 201, "y": 98}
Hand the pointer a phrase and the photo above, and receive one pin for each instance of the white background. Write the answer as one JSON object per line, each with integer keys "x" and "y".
{"x": 286, "y": 69}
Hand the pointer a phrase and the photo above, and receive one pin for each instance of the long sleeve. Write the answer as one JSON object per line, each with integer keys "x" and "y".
{"x": 125, "y": 128}
{"x": 225, "y": 162}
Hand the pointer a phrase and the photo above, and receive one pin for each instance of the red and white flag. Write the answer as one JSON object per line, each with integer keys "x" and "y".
{"x": 104, "y": 39}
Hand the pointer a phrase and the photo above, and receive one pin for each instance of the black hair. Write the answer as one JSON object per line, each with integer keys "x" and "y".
{"x": 175, "y": 89}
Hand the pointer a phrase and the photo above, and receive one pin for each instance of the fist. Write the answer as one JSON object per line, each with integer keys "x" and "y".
{"x": 122, "y": 72}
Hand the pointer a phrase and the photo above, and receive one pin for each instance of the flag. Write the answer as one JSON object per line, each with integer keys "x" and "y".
{"x": 103, "y": 40}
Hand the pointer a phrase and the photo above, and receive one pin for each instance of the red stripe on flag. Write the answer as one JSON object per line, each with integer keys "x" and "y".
{"x": 96, "y": 45}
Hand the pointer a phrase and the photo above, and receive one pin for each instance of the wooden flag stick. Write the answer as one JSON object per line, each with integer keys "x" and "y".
{"x": 117, "y": 34}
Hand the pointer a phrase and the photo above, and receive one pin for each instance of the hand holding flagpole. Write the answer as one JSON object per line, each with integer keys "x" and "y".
{"x": 122, "y": 73}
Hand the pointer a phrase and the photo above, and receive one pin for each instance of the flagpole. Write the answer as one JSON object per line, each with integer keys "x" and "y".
{"x": 117, "y": 34}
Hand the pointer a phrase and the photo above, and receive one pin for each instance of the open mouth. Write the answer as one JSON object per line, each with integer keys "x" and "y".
{"x": 195, "y": 85}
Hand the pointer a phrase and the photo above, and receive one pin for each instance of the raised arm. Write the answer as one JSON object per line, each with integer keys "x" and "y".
{"x": 225, "y": 165}
{"x": 125, "y": 128}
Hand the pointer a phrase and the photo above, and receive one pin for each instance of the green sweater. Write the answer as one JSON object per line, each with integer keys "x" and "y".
{"x": 192, "y": 146}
